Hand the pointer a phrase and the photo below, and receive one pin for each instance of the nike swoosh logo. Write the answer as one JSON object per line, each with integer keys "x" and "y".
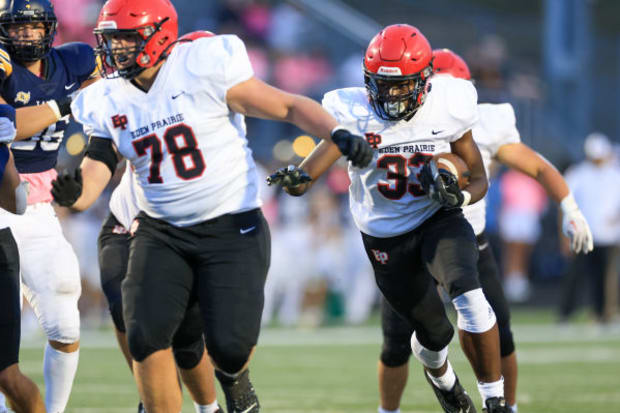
{"x": 437, "y": 132}
{"x": 176, "y": 96}
{"x": 67, "y": 87}
{"x": 245, "y": 231}
{"x": 483, "y": 246}
{"x": 253, "y": 404}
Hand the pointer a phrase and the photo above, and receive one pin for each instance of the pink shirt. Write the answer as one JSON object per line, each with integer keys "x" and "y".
{"x": 521, "y": 192}
{"x": 40, "y": 186}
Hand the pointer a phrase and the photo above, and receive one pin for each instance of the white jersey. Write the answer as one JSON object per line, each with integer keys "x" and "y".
{"x": 496, "y": 126}
{"x": 188, "y": 150}
{"x": 386, "y": 198}
{"x": 124, "y": 201}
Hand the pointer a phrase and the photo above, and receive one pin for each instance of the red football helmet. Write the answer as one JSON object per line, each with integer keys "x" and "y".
{"x": 152, "y": 23}
{"x": 188, "y": 37}
{"x": 397, "y": 65}
{"x": 448, "y": 62}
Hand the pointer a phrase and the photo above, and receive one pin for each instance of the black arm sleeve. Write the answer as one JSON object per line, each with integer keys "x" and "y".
{"x": 101, "y": 149}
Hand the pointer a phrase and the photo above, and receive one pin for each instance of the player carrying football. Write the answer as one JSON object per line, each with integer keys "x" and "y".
{"x": 37, "y": 79}
{"x": 498, "y": 139}
{"x": 412, "y": 226}
{"x": 175, "y": 114}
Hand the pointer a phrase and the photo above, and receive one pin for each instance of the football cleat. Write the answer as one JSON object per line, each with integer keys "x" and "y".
{"x": 453, "y": 401}
{"x": 141, "y": 408}
{"x": 496, "y": 405}
{"x": 239, "y": 392}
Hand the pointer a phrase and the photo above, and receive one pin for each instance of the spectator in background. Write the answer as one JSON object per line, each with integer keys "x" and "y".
{"x": 594, "y": 183}
{"x": 523, "y": 202}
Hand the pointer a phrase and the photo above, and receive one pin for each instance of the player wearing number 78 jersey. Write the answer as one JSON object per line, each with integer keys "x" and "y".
{"x": 174, "y": 111}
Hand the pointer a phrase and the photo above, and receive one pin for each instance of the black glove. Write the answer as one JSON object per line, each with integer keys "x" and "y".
{"x": 354, "y": 147}
{"x": 64, "y": 105}
{"x": 289, "y": 177}
{"x": 441, "y": 185}
{"x": 67, "y": 188}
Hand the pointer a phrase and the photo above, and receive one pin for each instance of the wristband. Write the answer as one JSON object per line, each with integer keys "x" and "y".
{"x": 568, "y": 204}
{"x": 336, "y": 129}
{"x": 54, "y": 106}
{"x": 466, "y": 198}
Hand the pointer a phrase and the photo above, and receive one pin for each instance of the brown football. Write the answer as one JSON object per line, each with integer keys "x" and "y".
{"x": 455, "y": 164}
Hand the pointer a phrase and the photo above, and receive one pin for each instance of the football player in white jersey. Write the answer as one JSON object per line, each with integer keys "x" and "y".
{"x": 176, "y": 114}
{"x": 498, "y": 139}
{"x": 23, "y": 394}
{"x": 412, "y": 226}
{"x": 113, "y": 250}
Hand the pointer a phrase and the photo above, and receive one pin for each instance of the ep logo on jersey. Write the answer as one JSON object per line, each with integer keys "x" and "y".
{"x": 381, "y": 256}
{"x": 119, "y": 121}
{"x": 373, "y": 139}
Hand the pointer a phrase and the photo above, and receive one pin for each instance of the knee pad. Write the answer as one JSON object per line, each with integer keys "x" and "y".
{"x": 506, "y": 342}
{"x": 116, "y": 311}
{"x": 395, "y": 351}
{"x": 188, "y": 357}
{"x": 60, "y": 318}
{"x": 429, "y": 358}
{"x": 230, "y": 357}
{"x": 475, "y": 315}
{"x": 140, "y": 345}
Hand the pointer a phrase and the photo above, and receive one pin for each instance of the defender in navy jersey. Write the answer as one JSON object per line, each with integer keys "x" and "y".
{"x": 20, "y": 390}
{"x": 38, "y": 80}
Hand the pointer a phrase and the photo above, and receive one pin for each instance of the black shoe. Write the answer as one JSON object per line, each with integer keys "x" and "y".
{"x": 141, "y": 408}
{"x": 496, "y": 405}
{"x": 239, "y": 392}
{"x": 219, "y": 409}
{"x": 453, "y": 401}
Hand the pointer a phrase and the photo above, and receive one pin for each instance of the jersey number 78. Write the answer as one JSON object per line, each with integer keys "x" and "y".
{"x": 179, "y": 154}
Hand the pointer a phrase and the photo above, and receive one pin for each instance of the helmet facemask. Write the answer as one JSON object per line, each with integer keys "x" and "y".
{"x": 24, "y": 50}
{"x": 396, "y": 97}
{"x": 125, "y": 61}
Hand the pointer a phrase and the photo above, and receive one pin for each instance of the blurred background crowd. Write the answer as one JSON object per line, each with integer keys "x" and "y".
{"x": 556, "y": 61}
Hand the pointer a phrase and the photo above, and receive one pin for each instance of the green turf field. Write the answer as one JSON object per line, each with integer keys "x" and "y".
{"x": 562, "y": 369}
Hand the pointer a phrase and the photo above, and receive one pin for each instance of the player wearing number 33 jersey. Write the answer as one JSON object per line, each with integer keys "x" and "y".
{"x": 412, "y": 226}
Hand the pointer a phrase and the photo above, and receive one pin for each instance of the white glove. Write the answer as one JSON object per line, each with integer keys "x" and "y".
{"x": 7, "y": 130}
{"x": 575, "y": 226}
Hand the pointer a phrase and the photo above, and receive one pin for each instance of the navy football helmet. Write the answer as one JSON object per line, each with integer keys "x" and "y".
{"x": 27, "y": 11}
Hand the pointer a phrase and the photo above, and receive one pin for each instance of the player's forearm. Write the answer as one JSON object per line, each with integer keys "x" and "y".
{"x": 309, "y": 116}
{"x": 478, "y": 186}
{"x": 552, "y": 181}
{"x": 95, "y": 176}
{"x": 315, "y": 164}
{"x": 33, "y": 119}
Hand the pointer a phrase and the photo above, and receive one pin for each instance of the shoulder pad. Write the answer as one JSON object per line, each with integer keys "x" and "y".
{"x": 346, "y": 103}
{"x": 79, "y": 59}
{"x": 462, "y": 100}
{"x": 499, "y": 122}
{"x": 6, "y": 66}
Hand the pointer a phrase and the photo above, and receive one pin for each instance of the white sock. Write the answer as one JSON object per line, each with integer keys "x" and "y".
{"x": 489, "y": 390}
{"x": 2, "y": 403}
{"x": 59, "y": 370}
{"x": 382, "y": 410}
{"x": 446, "y": 381}
{"x": 209, "y": 408}
{"x": 514, "y": 408}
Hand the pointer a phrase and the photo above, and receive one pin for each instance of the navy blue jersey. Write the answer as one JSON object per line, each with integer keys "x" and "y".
{"x": 4, "y": 158}
{"x": 66, "y": 67}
